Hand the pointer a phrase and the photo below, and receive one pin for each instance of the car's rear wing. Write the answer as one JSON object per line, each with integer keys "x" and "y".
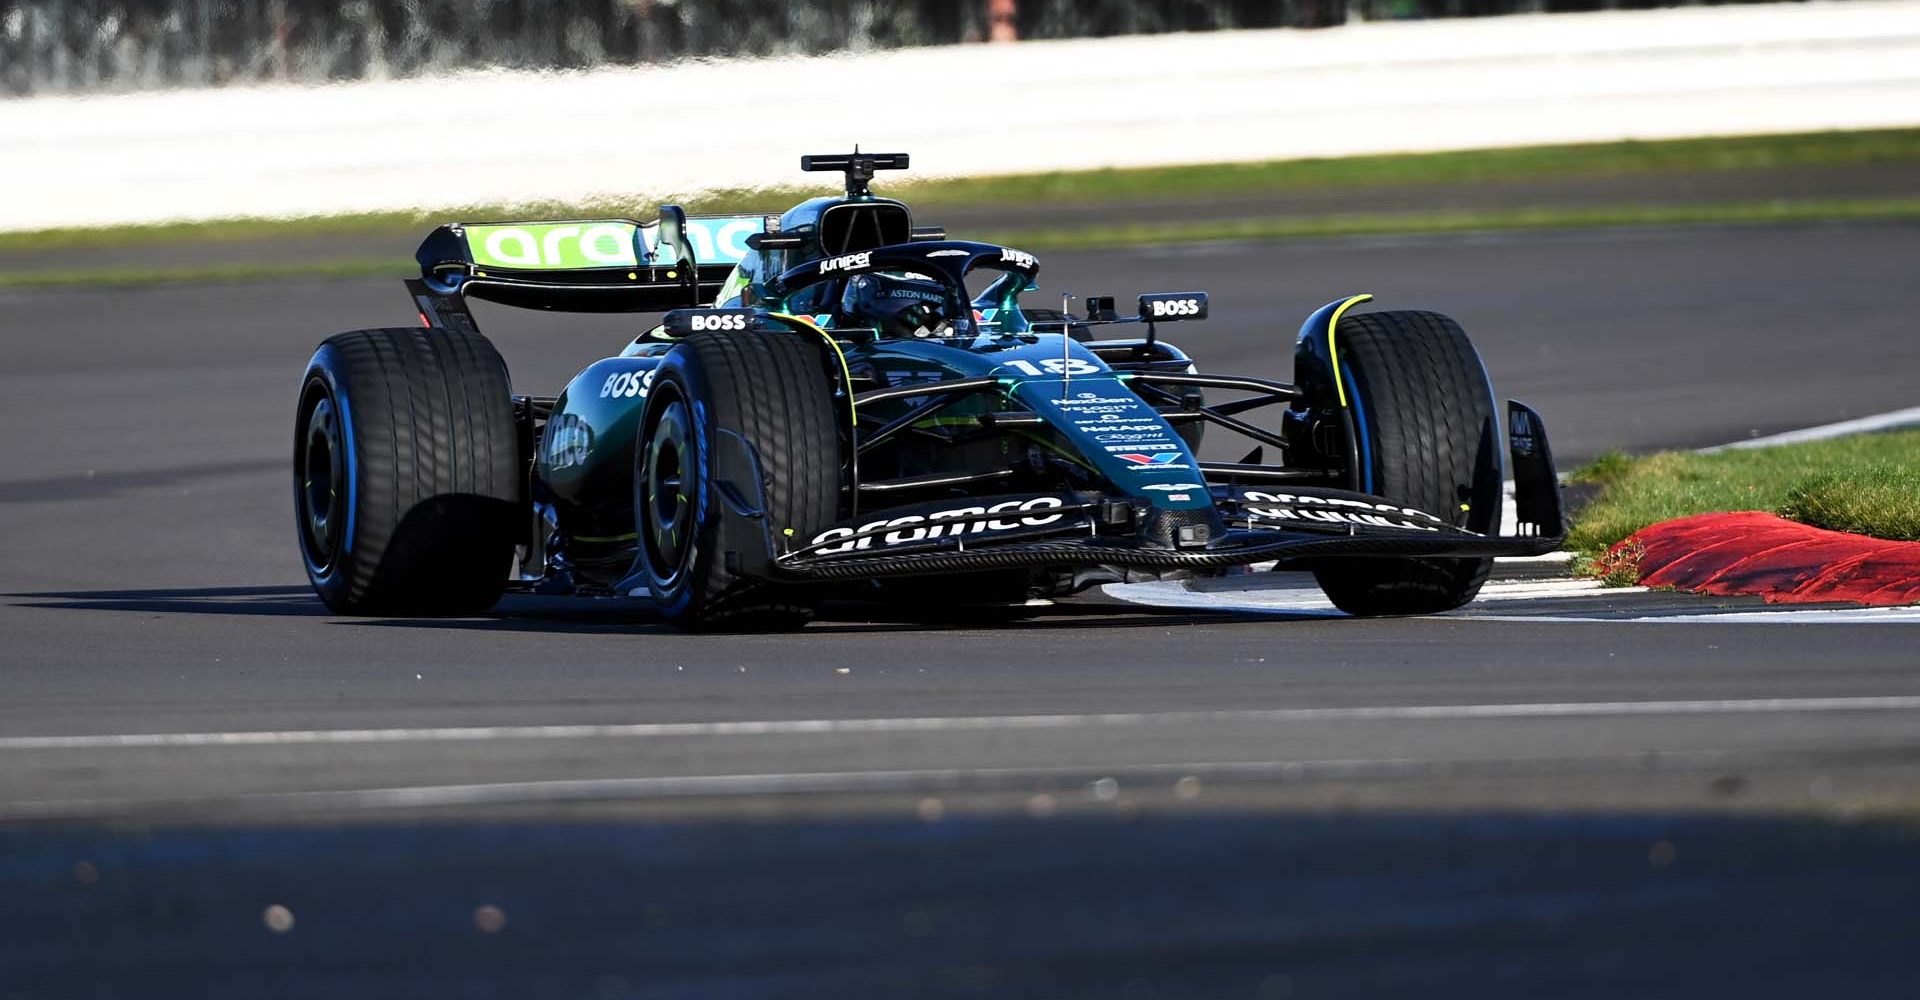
{"x": 590, "y": 265}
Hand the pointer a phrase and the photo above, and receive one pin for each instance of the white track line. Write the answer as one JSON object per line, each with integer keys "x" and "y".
{"x": 804, "y": 727}
{"x": 1559, "y": 556}
{"x": 1310, "y": 600}
{"x": 1865, "y": 425}
{"x": 1801, "y": 616}
{"x": 925, "y": 779}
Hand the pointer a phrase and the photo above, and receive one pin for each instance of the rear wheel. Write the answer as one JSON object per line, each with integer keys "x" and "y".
{"x": 406, "y": 472}
{"x": 712, "y": 392}
{"x": 1423, "y": 413}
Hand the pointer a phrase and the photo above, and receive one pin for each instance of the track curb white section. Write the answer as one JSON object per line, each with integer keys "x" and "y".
{"x": 1784, "y": 616}
{"x": 502, "y": 137}
{"x": 1295, "y": 593}
{"x": 805, "y": 727}
{"x": 1877, "y": 423}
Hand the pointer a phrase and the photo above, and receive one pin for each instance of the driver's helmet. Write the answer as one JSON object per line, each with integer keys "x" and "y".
{"x": 895, "y": 305}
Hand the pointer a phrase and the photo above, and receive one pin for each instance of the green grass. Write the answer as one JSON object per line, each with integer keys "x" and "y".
{"x": 124, "y": 277}
{"x": 1882, "y": 501}
{"x": 1745, "y": 213}
{"x": 1411, "y": 223}
{"x": 1809, "y": 149}
{"x": 1868, "y": 484}
{"x": 1818, "y": 149}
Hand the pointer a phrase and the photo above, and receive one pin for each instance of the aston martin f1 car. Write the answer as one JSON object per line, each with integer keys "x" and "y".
{"x": 839, "y": 404}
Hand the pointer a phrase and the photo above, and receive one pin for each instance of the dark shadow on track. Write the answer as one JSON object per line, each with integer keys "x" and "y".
{"x": 273, "y": 601}
{"x": 569, "y": 615}
{"x": 532, "y": 613}
{"x": 1082, "y": 905}
{"x": 515, "y": 612}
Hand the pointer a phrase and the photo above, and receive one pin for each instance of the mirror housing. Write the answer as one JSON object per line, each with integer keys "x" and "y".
{"x": 1169, "y": 307}
{"x": 682, "y": 322}
{"x": 775, "y": 241}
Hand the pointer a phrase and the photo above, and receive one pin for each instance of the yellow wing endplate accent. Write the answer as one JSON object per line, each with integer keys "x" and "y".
{"x": 807, "y": 322}
{"x": 1333, "y": 346}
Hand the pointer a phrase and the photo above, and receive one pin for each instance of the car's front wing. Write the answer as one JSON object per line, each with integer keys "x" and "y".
{"x": 1242, "y": 548}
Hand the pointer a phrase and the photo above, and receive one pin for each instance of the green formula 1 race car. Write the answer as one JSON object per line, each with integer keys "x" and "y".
{"x": 827, "y": 412}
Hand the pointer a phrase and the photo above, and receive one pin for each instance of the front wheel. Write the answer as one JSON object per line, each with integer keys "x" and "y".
{"x": 1423, "y": 417}
{"x": 726, "y": 407}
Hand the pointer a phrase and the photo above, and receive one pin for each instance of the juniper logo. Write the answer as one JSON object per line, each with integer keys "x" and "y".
{"x": 554, "y": 245}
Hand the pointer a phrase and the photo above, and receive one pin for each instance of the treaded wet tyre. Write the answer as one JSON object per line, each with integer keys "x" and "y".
{"x": 1423, "y": 410}
{"x": 406, "y": 472}
{"x": 771, "y": 390}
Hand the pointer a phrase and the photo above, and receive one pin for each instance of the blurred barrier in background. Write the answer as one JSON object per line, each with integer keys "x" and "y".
{"x": 497, "y": 137}
{"x": 64, "y": 46}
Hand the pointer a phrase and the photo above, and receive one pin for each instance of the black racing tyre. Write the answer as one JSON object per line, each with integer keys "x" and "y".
{"x": 1423, "y": 411}
{"x": 406, "y": 472}
{"x": 772, "y": 390}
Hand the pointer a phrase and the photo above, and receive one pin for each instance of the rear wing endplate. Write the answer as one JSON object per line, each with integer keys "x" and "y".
{"x": 589, "y": 265}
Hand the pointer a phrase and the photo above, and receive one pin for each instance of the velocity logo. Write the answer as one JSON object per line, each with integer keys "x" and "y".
{"x": 1161, "y": 458}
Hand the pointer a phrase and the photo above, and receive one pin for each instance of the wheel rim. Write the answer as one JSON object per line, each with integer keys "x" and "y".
{"x": 669, "y": 483}
{"x": 322, "y": 482}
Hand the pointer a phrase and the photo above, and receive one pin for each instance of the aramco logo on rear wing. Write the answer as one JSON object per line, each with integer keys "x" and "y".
{"x": 581, "y": 245}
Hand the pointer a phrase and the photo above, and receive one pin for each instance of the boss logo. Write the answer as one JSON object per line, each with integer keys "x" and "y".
{"x": 1174, "y": 308}
{"x": 681, "y": 322}
{"x": 724, "y": 321}
{"x": 846, "y": 263}
{"x": 626, "y": 385}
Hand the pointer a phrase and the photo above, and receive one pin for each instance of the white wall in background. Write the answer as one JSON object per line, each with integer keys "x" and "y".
{"x": 1407, "y": 86}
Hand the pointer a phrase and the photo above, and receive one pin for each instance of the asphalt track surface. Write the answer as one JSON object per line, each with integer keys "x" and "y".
{"x": 1100, "y": 801}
